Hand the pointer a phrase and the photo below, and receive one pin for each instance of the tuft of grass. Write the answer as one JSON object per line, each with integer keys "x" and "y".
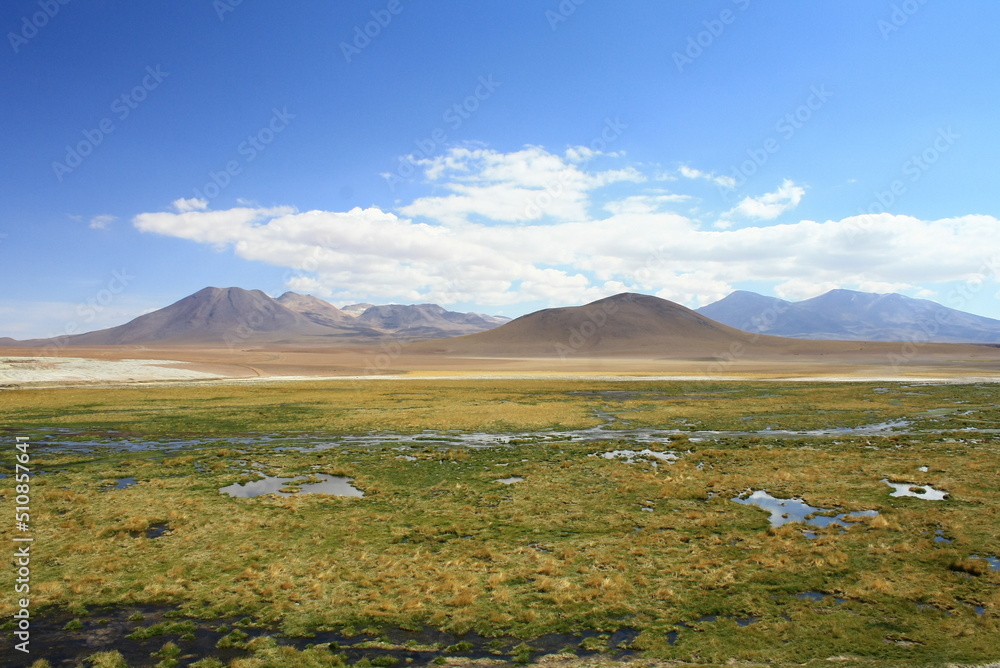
{"x": 971, "y": 566}
{"x": 112, "y": 659}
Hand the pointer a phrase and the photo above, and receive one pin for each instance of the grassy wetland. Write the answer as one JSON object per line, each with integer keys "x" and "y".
{"x": 523, "y": 544}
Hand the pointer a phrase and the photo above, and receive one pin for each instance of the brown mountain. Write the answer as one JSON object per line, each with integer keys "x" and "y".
{"x": 315, "y": 309}
{"x": 211, "y": 315}
{"x": 234, "y": 316}
{"x": 624, "y": 324}
{"x": 639, "y": 326}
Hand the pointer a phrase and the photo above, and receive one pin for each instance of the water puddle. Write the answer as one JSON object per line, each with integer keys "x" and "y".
{"x": 993, "y": 562}
{"x": 925, "y": 492}
{"x": 741, "y": 622}
{"x": 810, "y": 596}
{"x": 818, "y": 597}
{"x": 152, "y": 531}
{"x": 786, "y": 511}
{"x": 631, "y": 455}
{"x": 65, "y": 440}
{"x": 303, "y": 484}
{"x": 138, "y": 632}
{"x": 510, "y": 481}
{"x": 122, "y": 483}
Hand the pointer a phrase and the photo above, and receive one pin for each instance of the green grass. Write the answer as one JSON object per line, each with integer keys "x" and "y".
{"x": 438, "y": 543}
{"x": 491, "y": 406}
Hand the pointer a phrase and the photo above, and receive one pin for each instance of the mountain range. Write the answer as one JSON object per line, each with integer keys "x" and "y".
{"x": 639, "y": 327}
{"x": 847, "y": 315}
{"x": 233, "y": 316}
{"x": 628, "y": 323}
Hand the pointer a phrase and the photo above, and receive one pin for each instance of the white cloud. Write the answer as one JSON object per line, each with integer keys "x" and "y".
{"x": 883, "y": 287}
{"x": 194, "y": 204}
{"x": 643, "y": 203}
{"x": 526, "y": 185}
{"x": 692, "y": 173}
{"x": 101, "y": 222}
{"x": 437, "y": 250}
{"x": 797, "y": 289}
{"x": 218, "y": 228}
{"x": 770, "y": 205}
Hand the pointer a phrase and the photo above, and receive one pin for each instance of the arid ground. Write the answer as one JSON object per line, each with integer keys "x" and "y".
{"x": 804, "y": 360}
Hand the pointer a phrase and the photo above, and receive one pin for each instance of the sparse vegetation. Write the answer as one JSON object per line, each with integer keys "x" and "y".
{"x": 582, "y": 544}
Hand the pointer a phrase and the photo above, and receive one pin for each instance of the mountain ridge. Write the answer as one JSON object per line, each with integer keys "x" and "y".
{"x": 626, "y": 323}
{"x": 849, "y": 315}
{"x": 234, "y": 316}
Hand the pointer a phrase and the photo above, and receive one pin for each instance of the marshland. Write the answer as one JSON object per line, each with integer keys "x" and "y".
{"x": 477, "y": 521}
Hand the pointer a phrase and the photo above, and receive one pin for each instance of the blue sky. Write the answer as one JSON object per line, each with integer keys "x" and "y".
{"x": 494, "y": 156}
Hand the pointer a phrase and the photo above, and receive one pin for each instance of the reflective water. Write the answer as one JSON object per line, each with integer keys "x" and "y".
{"x": 993, "y": 561}
{"x": 122, "y": 483}
{"x": 818, "y": 596}
{"x": 631, "y": 455}
{"x": 810, "y": 596}
{"x": 741, "y": 622}
{"x": 510, "y": 481}
{"x": 785, "y": 511}
{"x": 69, "y": 440}
{"x": 109, "y": 629}
{"x": 919, "y": 491}
{"x": 333, "y": 485}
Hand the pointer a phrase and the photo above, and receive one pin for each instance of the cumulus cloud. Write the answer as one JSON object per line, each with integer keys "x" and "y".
{"x": 770, "y": 205}
{"x": 476, "y": 247}
{"x": 193, "y": 204}
{"x": 522, "y": 186}
{"x": 643, "y": 203}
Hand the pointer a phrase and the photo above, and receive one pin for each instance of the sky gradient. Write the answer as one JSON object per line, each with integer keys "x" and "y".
{"x": 493, "y": 156}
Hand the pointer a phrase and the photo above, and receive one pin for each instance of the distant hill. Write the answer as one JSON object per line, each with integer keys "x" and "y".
{"x": 853, "y": 316}
{"x": 627, "y": 323}
{"x": 425, "y": 320}
{"x": 211, "y": 315}
{"x": 236, "y": 316}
